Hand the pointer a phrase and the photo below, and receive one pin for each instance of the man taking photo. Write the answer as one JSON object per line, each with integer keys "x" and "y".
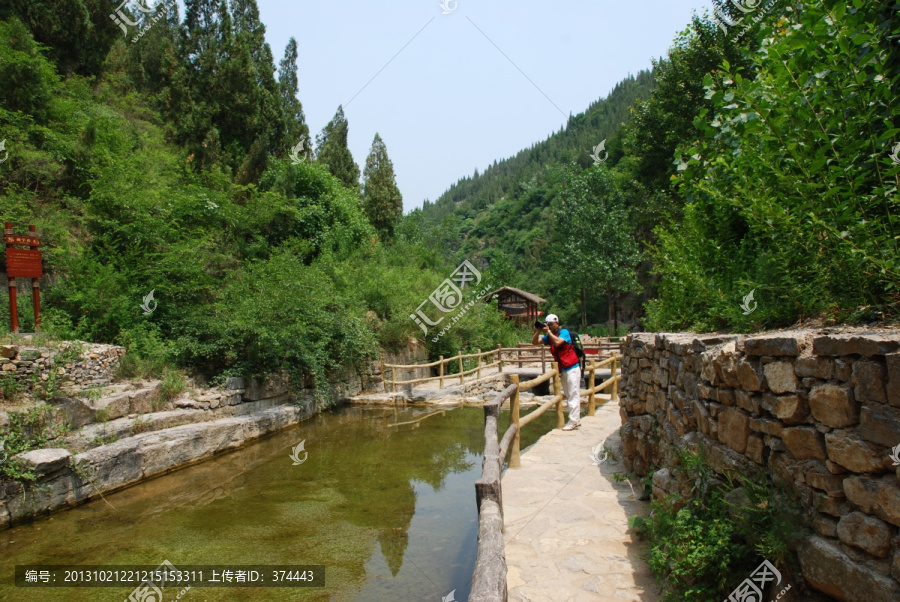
{"x": 560, "y": 342}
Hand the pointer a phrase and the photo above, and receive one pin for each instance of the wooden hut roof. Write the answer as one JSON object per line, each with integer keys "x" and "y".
{"x": 508, "y": 289}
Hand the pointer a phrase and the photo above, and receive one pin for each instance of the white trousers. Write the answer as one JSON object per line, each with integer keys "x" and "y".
{"x": 571, "y": 387}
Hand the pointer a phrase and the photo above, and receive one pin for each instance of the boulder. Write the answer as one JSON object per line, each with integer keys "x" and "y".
{"x": 880, "y": 497}
{"x": 880, "y": 424}
{"x": 866, "y": 533}
{"x": 892, "y": 362}
{"x": 815, "y": 367}
{"x": 868, "y": 377}
{"x": 790, "y": 409}
{"x": 834, "y": 573}
{"x": 782, "y": 344}
{"x": 847, "y": 448}
{"x": 820, "y": 477}
{"x": 45, "y": 461}
{"x": 834, "y": 406}
{"x": 804, "y": 442}
{"x": 780, "y": 377}
{"x": 749, "y": 376}
{"x": 734, "y": 429}
{"x": 866, "y": 345}
{"x": 8, "y": 351}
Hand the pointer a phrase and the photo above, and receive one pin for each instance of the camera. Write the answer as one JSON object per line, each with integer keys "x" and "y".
{"x": 539, "y": 325}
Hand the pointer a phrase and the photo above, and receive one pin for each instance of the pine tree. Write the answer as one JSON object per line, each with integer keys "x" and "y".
{"x": 295, "y": 127}
{"x": 382, "y": 200}
{"x": 332, "y": 150}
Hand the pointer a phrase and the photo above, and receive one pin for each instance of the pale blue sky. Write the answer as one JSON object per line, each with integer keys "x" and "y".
{"x": 450, "y": 102}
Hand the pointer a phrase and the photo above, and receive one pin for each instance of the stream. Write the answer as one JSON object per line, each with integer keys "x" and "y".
{"x": 387, "y": 508}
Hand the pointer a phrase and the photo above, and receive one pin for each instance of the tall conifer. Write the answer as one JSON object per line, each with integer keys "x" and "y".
{"x": 295, "y": 127}
{"x": 382, "y": 200}
{"x": 332, "y": 150}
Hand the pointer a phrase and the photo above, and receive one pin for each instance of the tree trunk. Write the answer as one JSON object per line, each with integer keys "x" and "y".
{"x": 583, "y": 308}
{"x": 616, "y": 315}
{"x": 609, "y": 322}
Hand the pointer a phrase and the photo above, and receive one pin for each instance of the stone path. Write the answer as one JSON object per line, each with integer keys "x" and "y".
{"x": 566, "y": 520}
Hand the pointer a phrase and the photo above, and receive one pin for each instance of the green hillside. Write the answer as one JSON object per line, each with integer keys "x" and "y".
{"x": 166, "y": 167}
{"x": 753, "y": 165}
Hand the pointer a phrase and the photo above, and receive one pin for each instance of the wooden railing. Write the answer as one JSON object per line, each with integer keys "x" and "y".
{"x": 489, "y": 577}
{"x": 523, "y": 354}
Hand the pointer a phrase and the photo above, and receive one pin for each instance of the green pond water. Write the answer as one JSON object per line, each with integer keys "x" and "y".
{"x": 389, "y": 511}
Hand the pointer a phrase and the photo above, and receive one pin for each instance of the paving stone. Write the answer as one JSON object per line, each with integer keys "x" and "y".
{"x": 566, "y": 521}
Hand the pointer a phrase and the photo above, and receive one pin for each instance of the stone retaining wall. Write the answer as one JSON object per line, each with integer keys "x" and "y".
{"x": 818, "y": 411}
{"x": 74, "y": 362}
{"x": 64, "y": 479}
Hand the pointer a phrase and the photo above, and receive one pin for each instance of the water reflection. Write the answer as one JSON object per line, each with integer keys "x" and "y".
{"x": 388, "y": 508}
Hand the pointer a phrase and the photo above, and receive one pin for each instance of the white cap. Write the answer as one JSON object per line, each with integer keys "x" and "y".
{"x": 551, "y": 318}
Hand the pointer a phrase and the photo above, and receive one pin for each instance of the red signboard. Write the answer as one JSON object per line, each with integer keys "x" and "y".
{"x": 23, "y": 263}
{"x": 30, "y": 241}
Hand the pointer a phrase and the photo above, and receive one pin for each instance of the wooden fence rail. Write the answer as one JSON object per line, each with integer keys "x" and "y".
{"x": 489, "y": 577}
{"x": 523, "y": 354}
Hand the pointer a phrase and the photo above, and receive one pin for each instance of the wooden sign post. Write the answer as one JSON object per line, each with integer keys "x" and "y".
{"x": 23, "y": 263}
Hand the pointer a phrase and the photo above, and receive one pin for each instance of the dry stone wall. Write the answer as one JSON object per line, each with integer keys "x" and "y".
{"x": 74, "y": 362}
{"x": 818, "y": 411}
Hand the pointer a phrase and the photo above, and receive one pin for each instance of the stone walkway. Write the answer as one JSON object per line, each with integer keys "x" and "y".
{"x": 566, "y": 520}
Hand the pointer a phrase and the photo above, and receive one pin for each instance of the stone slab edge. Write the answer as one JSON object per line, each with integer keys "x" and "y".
{"x": 135, "y": 459}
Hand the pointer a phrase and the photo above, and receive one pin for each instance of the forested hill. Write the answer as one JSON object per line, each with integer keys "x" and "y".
{"x": 583, "y": 132}
{"x": 751, "y": 182}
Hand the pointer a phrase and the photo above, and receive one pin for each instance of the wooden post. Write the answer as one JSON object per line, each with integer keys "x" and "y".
{"x": 461, "y": 378}
{"x": 543, "y": 350}
{"x": 390, "y": 380}
{"x": 500, "y": 356}
{"x": 478, "y": 371}
{"x": 518, "y": 357}
{"x": 441, "y": 371}
{"x": 615, "y": 385}
{"x": 515, "y": 460}
{"x": 13, "y": 308}
{"x": 35, "y": 293}
{"x": 557, "y": 391}
{"x": 591, "y": 381}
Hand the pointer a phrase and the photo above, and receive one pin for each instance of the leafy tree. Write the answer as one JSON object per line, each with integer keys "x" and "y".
{"x": 295, "y": 127}
{"x": 592, "y": 227}
{"x": 78, "y": 33}
{"x": 382, "y": 200}
{"x": 666, "y": 119}
{"x": 332, "y": 150}
{"x": 792, "y": 190}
